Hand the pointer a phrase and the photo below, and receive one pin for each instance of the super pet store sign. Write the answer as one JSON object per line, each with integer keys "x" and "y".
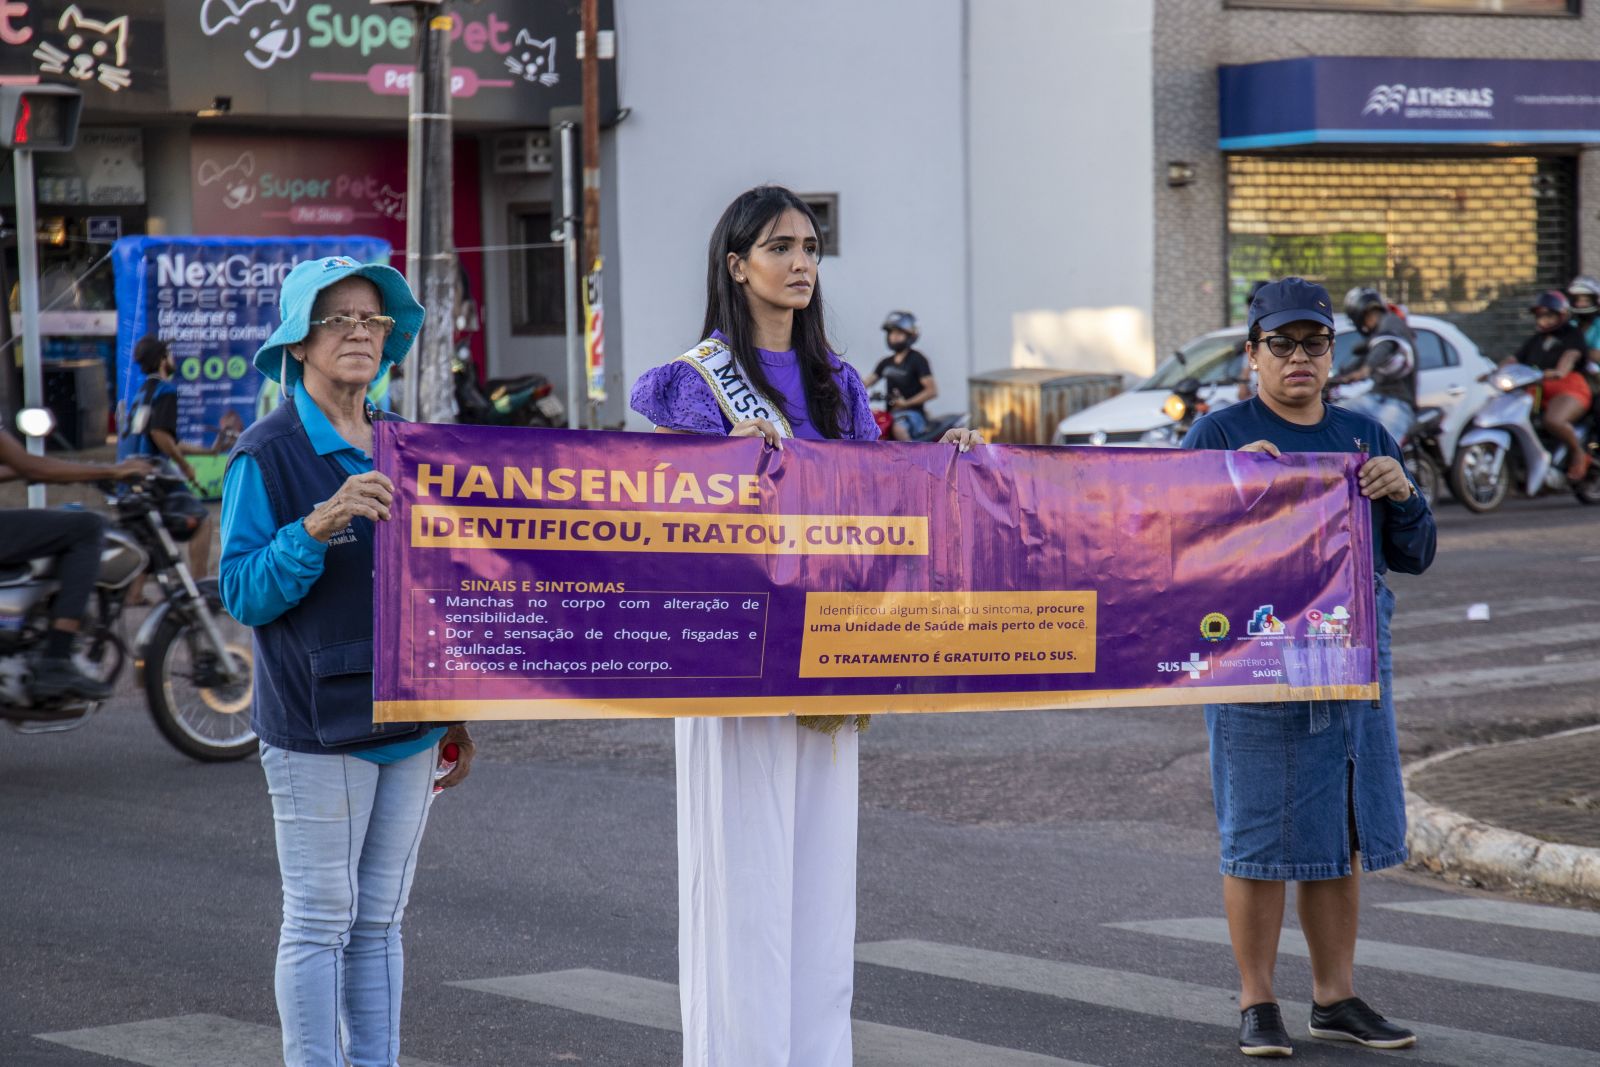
{"x": 503, "y": 55}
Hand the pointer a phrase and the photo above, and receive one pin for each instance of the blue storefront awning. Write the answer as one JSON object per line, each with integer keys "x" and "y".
{"x": 1403, "y": 100}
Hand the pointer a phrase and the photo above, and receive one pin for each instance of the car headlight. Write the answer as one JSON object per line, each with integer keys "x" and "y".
{"x": 1098, "y": 438}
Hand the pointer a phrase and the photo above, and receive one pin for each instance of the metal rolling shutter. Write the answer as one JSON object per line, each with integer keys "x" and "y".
{"x": 1469, "y": 239}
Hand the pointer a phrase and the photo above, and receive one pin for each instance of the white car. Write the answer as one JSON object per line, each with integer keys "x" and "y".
{"x": 1449, "y": 369}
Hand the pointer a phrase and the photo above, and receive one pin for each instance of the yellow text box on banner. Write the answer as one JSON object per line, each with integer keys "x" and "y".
{"x": 878, "y": 635}
{"x": 582, "y": 530}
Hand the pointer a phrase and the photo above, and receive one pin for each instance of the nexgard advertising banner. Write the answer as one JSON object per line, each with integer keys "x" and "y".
{"x": 214, "y": 300}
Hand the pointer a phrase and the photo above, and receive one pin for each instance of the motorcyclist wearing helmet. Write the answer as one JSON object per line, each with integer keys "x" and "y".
{"x": 73, "y": 537}
{"x": 1558, "y": 348}
{"x": 1584, "y": 296}
{"x": 907, "y": 376}
{"x": 1388, "y": 351}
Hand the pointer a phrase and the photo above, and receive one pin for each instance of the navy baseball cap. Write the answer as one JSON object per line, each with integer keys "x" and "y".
{"x": 1290, "y": 300}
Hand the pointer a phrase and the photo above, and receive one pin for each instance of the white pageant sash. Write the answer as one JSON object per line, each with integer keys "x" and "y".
{"x": 716, "y": 363}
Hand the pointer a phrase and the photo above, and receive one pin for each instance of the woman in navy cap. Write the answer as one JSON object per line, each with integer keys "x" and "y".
{"x": 1302, "y": 789}
{"x": 349, "y": 797}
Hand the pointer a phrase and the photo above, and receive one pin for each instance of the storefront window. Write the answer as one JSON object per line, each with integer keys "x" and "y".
{"x": 538, "y": 295}
{"x": 1424, "y": 7}
{"x": 1467, "y": 239}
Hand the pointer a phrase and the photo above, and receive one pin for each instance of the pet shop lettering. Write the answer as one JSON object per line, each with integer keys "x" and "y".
{"x": 371, "y": 32}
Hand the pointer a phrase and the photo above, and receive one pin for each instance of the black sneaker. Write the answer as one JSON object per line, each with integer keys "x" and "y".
{"x": 1352, "y": 1020}
{"x": 1261, "y": 1031}
{"x": 55, "y": 678}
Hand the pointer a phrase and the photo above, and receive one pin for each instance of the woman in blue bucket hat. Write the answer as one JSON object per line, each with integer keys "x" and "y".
{"x": 349, "y": 796}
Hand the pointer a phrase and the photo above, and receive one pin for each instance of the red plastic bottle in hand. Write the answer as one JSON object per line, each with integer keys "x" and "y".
{"x": 448, "y": 755}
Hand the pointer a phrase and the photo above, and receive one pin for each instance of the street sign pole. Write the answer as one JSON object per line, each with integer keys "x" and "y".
{"x": 28, "y": 269}
{"x": 569, "y": 238}
{"x": 34, "y": 118}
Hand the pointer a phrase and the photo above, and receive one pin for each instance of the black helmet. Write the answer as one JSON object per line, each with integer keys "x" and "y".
{"x": 903, "y": 321}
{"x": 1551, "y": 300}
{"x": 1584, "y": 295}
{"x": 1359, "y": 301}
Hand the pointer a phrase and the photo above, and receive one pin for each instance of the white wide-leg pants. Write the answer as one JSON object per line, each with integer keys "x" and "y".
{"x": 766, "y": 892}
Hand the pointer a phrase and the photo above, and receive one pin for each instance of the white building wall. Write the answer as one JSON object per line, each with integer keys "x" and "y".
{"x": 1062, "y": 183}
{"x": 862, "y": 100}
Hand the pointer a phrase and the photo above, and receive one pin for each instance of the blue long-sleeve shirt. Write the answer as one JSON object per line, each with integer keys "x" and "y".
{"x": 267, "y": 569}
{"x": 1403, "y": 533}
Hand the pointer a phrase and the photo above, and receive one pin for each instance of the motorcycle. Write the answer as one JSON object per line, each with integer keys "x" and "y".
{"x": 1505, "y": 442}
{"x": 937, "y": 427}
{"x": 1423, "y": 454}
{"x": 525, "y": 401}
{"x": 193, "y": 661}
{"x": 1183, "y": 407}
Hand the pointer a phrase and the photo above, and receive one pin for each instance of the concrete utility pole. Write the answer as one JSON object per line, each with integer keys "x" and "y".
{"x": 430, "y": 224}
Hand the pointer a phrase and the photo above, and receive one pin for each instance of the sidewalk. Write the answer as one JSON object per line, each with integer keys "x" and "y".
{"x": 1524, "y": 815}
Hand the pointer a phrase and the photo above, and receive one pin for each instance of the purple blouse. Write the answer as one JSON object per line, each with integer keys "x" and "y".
{"x": 675, "y": 396}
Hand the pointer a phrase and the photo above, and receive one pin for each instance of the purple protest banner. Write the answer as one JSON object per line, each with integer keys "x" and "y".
{"x": 549, "y": 574}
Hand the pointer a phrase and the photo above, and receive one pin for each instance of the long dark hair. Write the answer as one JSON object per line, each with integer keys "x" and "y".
{"x": 728, "y": 308}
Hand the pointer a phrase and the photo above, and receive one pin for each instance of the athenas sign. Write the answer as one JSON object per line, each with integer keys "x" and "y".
{"x": 1402, "y": 100}
{"x": 511, "y": 60}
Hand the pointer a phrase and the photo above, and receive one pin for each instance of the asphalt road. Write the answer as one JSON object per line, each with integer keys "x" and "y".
{"x": 139, "y": 896}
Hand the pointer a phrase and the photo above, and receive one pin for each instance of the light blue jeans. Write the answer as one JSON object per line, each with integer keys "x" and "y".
{"x": 348, "y": 832}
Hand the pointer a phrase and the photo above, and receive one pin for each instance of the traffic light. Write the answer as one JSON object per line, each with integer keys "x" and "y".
{"x": 43, "y": 118}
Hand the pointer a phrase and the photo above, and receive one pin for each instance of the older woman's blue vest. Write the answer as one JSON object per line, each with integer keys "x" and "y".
{"x": 313, "y": 669}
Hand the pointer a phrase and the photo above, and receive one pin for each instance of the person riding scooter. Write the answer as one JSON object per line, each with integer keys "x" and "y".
{"x": 1558, "y": 348}
{"x": 74, "y": 538}
{"x": 907, "y": 376}
{"x": 1584, "y": 296}
{"x": 1388, "y": 351}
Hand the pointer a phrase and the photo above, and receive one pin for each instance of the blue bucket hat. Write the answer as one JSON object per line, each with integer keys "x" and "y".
{"x": 1290, "y": 300}
{"x": 299, "y": 293}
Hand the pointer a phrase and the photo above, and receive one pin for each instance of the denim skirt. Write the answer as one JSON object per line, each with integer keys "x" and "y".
{"x": 1300, "y": 786}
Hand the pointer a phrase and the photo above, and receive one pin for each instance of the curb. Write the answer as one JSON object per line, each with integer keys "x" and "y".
{"x": 1447, "y": 842}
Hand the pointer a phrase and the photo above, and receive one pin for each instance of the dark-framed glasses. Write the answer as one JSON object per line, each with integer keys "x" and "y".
{"x": 346, "y": 324}
{"x": 1315, "y": 346}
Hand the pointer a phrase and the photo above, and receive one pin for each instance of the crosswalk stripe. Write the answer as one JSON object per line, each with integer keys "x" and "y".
{"x": 1407, "y": 619}
{"x": 1492, "y": 641}
{"x": 646, "y": 1002}
{"x": 1506, "y": 913}
{"x": 1187, "y": 1001}
{"x": 1494, "y": 679}
{"x": 1407, "y": 959}
{"x": 187, "y": 1041}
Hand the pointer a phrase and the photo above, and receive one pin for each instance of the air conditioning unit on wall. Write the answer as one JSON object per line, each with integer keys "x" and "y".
{"x": 524, "y": 152}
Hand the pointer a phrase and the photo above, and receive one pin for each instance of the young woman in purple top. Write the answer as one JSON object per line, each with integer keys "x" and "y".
{"x": 766, "y": 806}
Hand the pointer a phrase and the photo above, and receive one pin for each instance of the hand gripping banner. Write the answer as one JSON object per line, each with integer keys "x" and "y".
{"x": 552, "y": 574}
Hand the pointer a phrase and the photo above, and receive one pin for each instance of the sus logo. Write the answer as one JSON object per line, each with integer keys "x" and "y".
{"x": 534, "y": 60}
{"x": 95, "y": 51}
{"x": 270, "y": 39}
{"x": 235, "y": 179}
